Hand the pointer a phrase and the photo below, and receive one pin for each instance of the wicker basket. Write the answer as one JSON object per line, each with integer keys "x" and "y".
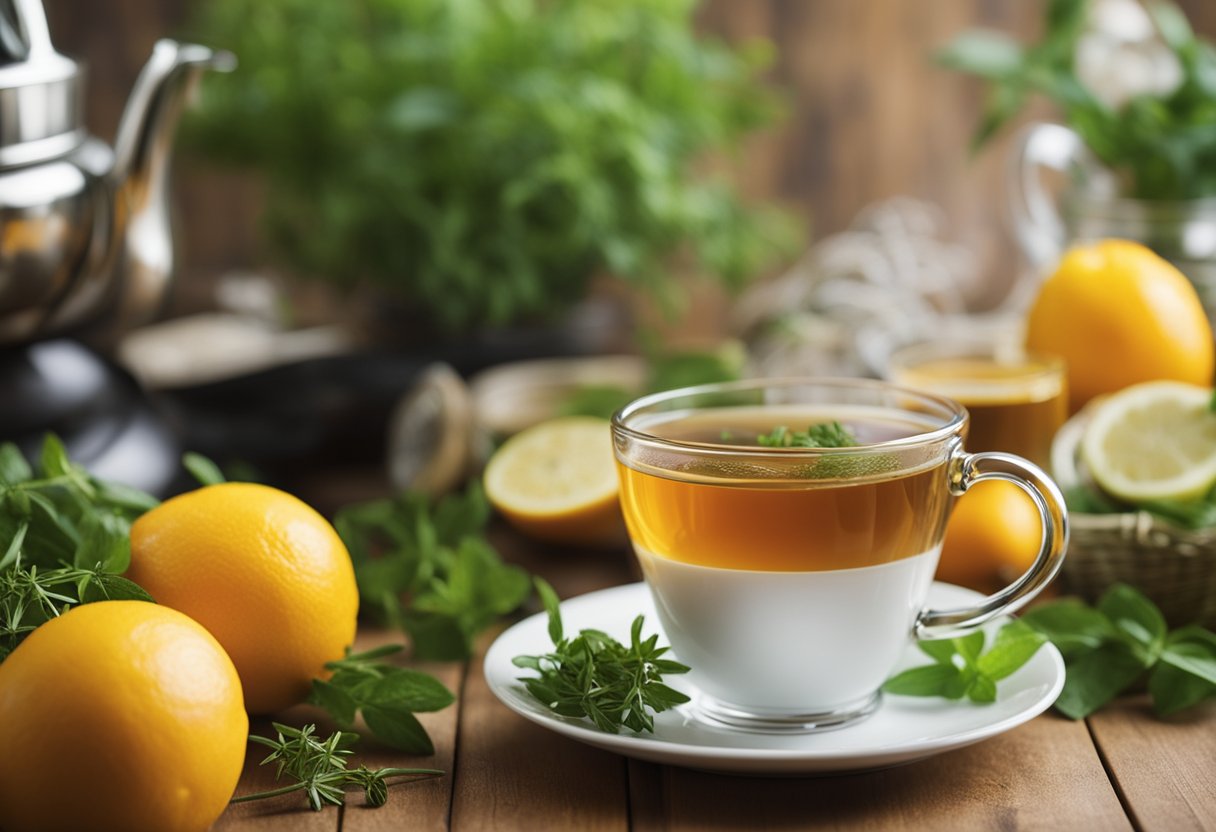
{"x": 1174, "y": 567}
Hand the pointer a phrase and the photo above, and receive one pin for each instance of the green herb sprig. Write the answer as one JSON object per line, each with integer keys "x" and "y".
{"x": 388, "y": 696}
{"x": 825, "y": 435}
{"x": 428, "y": 569}
{"x": 65, "y": 538}
{"x": 1123, "y": 638}
{"x": 962, "y": 668}
{"x": 318, "y": 768}
{"x": 596, "y": 677}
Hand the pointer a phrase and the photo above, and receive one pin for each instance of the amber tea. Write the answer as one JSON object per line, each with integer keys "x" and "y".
{"x": 738, "y": 514}
{"x": 1017, "y": 403}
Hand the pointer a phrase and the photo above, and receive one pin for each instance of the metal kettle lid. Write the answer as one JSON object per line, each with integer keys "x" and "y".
{"x": 39, "y": 88}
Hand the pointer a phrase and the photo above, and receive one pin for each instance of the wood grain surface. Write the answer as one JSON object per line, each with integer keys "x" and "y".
{"x": 1122, "y": 769}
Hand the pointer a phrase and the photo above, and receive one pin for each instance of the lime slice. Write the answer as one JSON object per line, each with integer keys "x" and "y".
{"x": 1153, "y": 441}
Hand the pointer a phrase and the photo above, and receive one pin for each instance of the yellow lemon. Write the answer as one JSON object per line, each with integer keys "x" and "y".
{"x": 119, "y": 715}
{"x": 265, "y": 573}
{"x": 993, "y": 534}
{"x": 1118, "y": 315}
{"x": 557, "y": 481}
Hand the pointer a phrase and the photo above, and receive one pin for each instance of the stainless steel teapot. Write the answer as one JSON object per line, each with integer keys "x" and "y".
{"x": 84, "y": 230}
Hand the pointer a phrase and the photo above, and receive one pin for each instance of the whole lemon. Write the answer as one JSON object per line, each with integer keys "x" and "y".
{"x": 1118, "y": 314}
{"x": 265, "y": 573}
{"x": 993, "y": 535}
{"x": 119, "y": 715}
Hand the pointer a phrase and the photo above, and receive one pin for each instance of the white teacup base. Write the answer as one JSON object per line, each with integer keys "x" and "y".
{"x": 721, "y": 714}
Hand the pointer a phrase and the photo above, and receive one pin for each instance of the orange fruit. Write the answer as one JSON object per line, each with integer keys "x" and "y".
{"x": 1118, "y": 314}
{"x": 557, "y": 481}
{"x": 993, "y": 535}
{"x": 119, "y": 715}
{"x": 266, "y": 574}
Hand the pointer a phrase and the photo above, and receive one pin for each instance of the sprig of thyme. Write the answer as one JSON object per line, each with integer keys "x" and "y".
{"x": 595, "y": 676}
{"x": 318, "y": 767}
{"x": 825, "y": 435}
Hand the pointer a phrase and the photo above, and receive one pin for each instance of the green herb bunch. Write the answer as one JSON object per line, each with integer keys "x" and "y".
{"x": 429, "y": 570}
{"x": 1121, "y": 640}
{"x": 318, "y": 767}
{"x": 825, "y": 435}
{"x": 1107, "y": 649}
{"x": 596, "y": 677}
{"x": 1163, "y": 146}
{"x": 487, "y": 158}
{"x": 64, "y": 535}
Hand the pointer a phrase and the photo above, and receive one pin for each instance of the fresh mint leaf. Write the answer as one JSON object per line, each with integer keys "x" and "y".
{"x": 54, "y": 460}
{"x": 1136, "y": 617}
{"x": 203, "y": 469}
{"x": 987, "y": 54}
{"x": 105, "y": 539}
{"x": 1175, "y": 690}
{"x": 1071, "y": 625}
{"x": 1015, "y": 644}
{"x": 1096, "y": 677}
{"x": 552, "y": 607}
{"x": 970, "y": 646}
{"x": 105, "y": 587}
{"x": 13, "y": 467}
{"x": 982, "y": 690}
{"x": 940, "y": 650}
{"x": 1194, "y": 658}
{"x": 427, "y": 568}
{"x": 927, "y": 680}
{"x": 388, "y": 696}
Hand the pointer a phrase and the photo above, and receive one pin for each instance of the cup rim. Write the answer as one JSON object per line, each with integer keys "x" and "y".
{"x": 905, "y": 362}
{"x": 953, "y": 427}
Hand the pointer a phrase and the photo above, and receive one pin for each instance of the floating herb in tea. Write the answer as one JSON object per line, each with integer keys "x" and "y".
{"x": 825, "y": 435}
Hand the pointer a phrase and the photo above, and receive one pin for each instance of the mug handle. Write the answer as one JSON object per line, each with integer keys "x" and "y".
{"x": 1036, "y": 222}
{"x": 966, "y": 470}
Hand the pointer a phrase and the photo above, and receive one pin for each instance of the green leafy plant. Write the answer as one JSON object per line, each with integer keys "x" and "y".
{"x": 488, "y": 159}
{"x": 428, "y": 569}
{"x": 1163, "y": 144}
{"x": 318, "y": 767}
{"x": 594, "y": 676}
{"x": 1122, "y": 639}
{"x": 1107, "y": 649}
{"x": 388, "y": 697}
{"x": 962, "y": 668}
{"x": 65, "y": 539}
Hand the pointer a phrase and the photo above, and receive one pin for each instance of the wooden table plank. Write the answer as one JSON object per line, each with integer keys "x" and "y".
{"x": 513, "y": 775}
{"x": 1043, "y": 775}
{"x": 1165, "y": 769}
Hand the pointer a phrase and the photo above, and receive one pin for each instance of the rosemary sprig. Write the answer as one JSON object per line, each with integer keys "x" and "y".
{"x": 318, "y": 767}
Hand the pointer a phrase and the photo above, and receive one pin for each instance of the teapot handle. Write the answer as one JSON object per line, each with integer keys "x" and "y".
{"x": 1036, "y": 220}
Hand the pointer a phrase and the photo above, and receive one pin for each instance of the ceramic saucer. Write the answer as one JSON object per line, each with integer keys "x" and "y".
{"x": 903, "y": 728}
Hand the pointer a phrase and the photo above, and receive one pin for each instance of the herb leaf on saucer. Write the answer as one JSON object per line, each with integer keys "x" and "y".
{"x": 962, "y": 667}
{"x": 596, "y": 677}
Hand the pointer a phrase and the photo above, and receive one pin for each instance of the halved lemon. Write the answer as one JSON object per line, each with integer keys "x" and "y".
{"x": 1153, "y": 441}
{"x": 557, "y": 481}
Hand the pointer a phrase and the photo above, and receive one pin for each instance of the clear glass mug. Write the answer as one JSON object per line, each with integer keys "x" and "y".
{"x": 791, "y": 579}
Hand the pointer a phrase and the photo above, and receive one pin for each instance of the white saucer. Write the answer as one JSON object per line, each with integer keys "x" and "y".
{"x": 903, "y": 728}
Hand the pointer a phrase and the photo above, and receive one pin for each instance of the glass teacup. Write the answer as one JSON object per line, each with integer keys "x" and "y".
{"x": 791, "y": 578}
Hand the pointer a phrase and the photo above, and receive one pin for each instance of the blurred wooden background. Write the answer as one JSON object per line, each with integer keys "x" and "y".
{"x": 870, "y": 115}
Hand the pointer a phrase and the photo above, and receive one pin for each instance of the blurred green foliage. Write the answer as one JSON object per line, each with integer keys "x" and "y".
{"x": 486, "y": 158}
{"x": 1164, "y": 146}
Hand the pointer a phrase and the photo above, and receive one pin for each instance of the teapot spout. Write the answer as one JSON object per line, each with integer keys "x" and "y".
{"x": 143, "y": 237}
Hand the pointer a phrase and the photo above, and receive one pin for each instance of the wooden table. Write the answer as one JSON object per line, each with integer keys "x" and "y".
{"x": 1120, "y": 769}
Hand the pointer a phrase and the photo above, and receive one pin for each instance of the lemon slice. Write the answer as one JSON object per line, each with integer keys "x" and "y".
{"x": 557, "y": 481}
{"x": 1153, "y": 441}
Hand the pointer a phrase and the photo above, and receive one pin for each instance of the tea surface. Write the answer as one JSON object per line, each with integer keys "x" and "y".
{"x": 740, "y": 513}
